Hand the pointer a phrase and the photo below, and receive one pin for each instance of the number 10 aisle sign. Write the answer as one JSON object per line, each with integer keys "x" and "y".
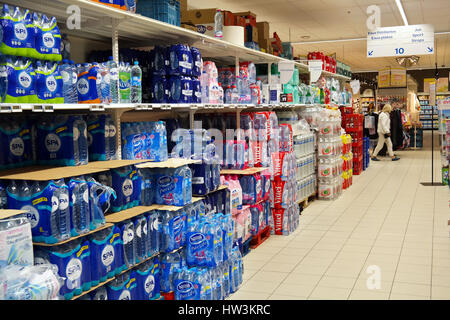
{"x": 400, "y": 41}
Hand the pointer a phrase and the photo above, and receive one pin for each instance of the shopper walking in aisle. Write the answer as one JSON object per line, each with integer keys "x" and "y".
{"x": 384, "y": 133}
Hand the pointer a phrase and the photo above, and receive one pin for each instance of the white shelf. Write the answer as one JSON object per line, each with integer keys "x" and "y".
{"x": 97, "y": 22}
{"x": 45, "y": 108}
{"x": 335, "y": 75}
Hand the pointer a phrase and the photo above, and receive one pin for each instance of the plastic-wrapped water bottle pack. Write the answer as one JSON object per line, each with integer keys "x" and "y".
{"x": 144, "y": 140}
{"x": 60, "y": 140}
{"x": 58, "y": 210}
{"x": 206, "y": 269}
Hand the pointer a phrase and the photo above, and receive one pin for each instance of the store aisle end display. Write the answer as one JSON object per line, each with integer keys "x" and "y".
{"x": 330, "y": 162}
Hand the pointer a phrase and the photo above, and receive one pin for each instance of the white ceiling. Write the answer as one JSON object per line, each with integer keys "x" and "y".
{"x": 343, "y": 19}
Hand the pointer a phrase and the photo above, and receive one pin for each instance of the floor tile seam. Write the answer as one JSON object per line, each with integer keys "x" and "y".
{"x": 384, "y": 221}
{"x": 312, "y": 248}
{"x": 404, "y": 235}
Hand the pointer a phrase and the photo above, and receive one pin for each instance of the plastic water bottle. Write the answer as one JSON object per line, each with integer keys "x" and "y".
{"x": 3, "y": 198}
{"x": 3, "y": 82}
{"x": 66, "y": 73}
{"x": 124, "y": 82}
{"x": 220, "y": 94}
{"x": 218, "y": 24}
{"x": 234, "y": 95}
{"x": 259, "y": 84}
{"x": 228, "y": 95}
{"x": 80, "y": 199}
{"x": 74, "y": 77}
{"x": 105, "y": 83}
{"x": 114, "y": 80}
{"x": 254, "y": 95}
{"x": 136, "y": 83}
{"x": 112, "y": 133}
{"x": 63, "y": 210}
{"x": 131, "y": 5}
{"x": 99, "y": 79}
{"x": 80, "y": 142}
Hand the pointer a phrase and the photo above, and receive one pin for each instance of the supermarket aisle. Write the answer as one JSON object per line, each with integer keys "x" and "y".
{"x": 386, "y": 219}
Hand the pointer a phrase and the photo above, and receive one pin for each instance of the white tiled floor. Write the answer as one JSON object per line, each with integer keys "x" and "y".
{"x": 386, "y": 221}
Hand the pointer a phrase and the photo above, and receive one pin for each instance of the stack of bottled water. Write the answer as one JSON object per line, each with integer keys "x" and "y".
{"x": 170, "y": 186}
{"x": 175, "y": 74}
{"x": 30, "y": 50}
{"x": 197, "y": 145}
{"x": 101, "y": 133}
{"x": 15, "y": 142}
{"x": 139, "y": 284}
{"x": 242, "y": 88}
{"x": 127, "y": 183}
{"x": 69, "y": 74}
{"x": 29, "y": 34}
{"x": 58, "y": 210}
{"x": 144, "y": 140}
{"x": 61, "y": 140}
{"x": 141, "y": 238}
{"x": 304, "y": 152}
{"x": 330, "y": 162}
{"x": 39, "y": 81}
{"x": 284, "y": 191}
{"x": 204, "y": 272}
{"x": 99, "y": 83}
{"x": 212, "y": 93}
{"x": 85, "y": 262}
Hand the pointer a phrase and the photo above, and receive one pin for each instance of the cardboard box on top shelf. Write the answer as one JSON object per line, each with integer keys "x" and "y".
{"x": 189, "y": 26}
{"x": 263, "y": 31}
{"x": 239, "y": 21}
{"x": 183, "y": 5}
{"x": 266, "y": 45}
{"x": 203, "y": 19}
{"x": 251, "y": 34}
{"x": 250, "y": 17}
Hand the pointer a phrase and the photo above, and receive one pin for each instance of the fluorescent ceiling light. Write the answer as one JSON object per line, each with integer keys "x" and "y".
{"x": 402, "y": 12}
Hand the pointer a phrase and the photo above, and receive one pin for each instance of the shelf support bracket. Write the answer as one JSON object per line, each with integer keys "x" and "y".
{"x": 115, "y": 40}
{"x": 269, "y": 73}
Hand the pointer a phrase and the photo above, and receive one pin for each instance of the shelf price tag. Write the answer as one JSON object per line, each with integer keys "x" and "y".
{"x": 6, "y": 109}
{"x": 95, "y": 107}
{"x": 48, "y": 108}
{"x": 37, "y": 108}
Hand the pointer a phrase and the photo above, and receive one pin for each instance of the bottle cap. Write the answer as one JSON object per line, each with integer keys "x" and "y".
{"x": 64, "y": 61}
{"x": 136, "y": 62}
{"x": 110, "y": 58}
